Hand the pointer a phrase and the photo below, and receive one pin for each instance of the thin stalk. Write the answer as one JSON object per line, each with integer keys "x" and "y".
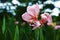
{"x": 46, "y": 34}
{"x": 41, "y": 34}
{"x": 37, "y": 34}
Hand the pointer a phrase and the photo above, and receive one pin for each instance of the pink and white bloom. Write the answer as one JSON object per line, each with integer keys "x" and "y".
{"x": 47, "y": 18}
{"x": 31, "y": 16}
{"x": 43, "y": 19}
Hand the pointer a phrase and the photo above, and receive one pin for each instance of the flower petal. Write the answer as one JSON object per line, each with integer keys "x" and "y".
{"x": 43, "y": 19}
{"x": 33, "y": 10}
{"x": 26, "y": 17}
{"x": 49, "y": 18}
{"x": 35, "y": 25}
{"x": 43, "y": 16}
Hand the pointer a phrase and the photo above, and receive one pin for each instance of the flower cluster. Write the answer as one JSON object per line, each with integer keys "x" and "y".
{"x": 31, "y": 17}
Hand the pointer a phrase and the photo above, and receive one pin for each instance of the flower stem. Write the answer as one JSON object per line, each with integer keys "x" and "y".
{"x": 37, "y": 34}
{"x": 41, "y": 34}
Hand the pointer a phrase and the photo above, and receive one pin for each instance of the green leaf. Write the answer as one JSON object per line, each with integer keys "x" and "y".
{"x": 3, "y": 26}
{"x": 16, "y": 36}
{"x": 58, "y": 34}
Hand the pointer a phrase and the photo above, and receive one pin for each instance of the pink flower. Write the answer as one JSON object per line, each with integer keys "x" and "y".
{"x": 47, "y": 18}
{"x": 31, "y": 16}
{"x": 43, "y": 19}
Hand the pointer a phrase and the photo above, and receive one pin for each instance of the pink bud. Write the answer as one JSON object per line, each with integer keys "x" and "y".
{"x": 57, "y": 26}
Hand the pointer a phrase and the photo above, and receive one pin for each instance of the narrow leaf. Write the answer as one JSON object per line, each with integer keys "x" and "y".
{"x": 3, "y": 26}
{"x": 16, "y": 36}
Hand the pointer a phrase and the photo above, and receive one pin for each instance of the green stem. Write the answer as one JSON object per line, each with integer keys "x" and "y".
{"x": 41, "y": 34}
{"x": 58, "y": 34}
{"x": 57, "y": 37}
{"x": 26, "y": 35}
{"x": 54, "y": 34}
{"x": 37, "y": 34}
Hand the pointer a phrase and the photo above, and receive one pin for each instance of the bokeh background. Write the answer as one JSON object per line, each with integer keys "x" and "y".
{"x": 13, "y": 27}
